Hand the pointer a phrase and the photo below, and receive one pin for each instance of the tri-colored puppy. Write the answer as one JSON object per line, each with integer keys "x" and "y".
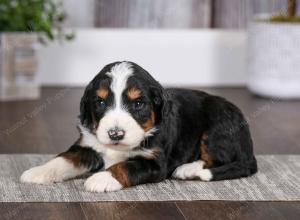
{"x": 133, "y": 131}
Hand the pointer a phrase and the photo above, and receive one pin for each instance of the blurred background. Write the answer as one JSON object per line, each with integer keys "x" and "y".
{"x": 240, "y": 49}
{"x": 181, "y": 42}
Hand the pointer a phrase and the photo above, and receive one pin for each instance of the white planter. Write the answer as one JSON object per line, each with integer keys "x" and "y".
{"x": 18, "y": 66}
{"x": 274, "y": 59}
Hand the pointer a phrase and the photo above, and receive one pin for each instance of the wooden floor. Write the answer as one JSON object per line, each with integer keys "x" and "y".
{"x": 48, "y": 126}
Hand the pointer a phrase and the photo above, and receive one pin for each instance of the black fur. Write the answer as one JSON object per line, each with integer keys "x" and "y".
{"x": 182, "y": 117}
{"x": 84, "y": 157}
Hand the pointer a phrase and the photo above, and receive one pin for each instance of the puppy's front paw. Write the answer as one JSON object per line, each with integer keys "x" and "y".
{"x": 40, "y": 175}
{"x": 102, "y": 182}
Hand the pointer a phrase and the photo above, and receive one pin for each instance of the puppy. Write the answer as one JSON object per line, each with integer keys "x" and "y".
{"x": 133, "y": 131}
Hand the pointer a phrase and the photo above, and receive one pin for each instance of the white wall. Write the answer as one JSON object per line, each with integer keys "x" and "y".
{"x": 173, "y": 57}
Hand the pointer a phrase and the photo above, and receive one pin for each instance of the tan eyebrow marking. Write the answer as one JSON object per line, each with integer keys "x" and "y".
{"x": 102, "y": 93}
{"x": 133, "y": 93}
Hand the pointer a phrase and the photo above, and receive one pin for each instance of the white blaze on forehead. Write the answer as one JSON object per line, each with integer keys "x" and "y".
{"x": 118, "y": 116}
{"x": 119, "y": 74}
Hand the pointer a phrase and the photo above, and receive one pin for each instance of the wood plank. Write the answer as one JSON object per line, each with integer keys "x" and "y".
{"x": 219, "y": 210}
{"x": 153, "y": 13}
{"x": 113, "y": 13}
{"x": 132, "y": 210}
{"x": 238, "y": 13}
{"x": 153, "y": 210}
{"x": 38, "y": 211}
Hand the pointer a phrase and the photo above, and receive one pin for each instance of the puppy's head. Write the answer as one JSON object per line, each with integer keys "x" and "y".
{"x": 122, "y": 105}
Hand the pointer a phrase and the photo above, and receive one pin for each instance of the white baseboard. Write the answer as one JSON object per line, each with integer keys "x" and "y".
{"x": 173, "y": 57}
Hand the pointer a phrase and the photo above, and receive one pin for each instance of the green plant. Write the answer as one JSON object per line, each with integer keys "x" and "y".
{"x": 45, "y": 17}
{"x": 290, "y": 16}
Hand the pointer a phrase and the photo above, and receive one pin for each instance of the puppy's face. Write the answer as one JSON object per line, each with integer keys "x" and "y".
{"x": 121, "y": 106}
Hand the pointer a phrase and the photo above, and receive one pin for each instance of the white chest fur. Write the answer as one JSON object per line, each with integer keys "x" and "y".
{"x": 110, "y": 156}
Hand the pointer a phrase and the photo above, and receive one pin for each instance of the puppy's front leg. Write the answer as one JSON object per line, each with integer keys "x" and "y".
{"x": 125, "y": 174}
{"x": 74, "y": 162}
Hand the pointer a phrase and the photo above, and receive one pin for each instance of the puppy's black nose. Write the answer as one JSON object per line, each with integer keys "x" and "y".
{"x": 116, "y": 134}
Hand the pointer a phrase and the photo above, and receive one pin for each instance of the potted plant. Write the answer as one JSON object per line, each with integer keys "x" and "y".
{"x": 24, "y": 23}
{"x": 274, "y": 54}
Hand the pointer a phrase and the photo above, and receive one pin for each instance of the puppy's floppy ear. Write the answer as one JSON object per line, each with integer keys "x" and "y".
{"x": 87, "y": 118}
{"x": 159, "y": 101}
{"x": 157, "y": 95}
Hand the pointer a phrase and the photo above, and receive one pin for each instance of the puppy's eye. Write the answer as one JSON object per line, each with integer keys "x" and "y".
{"x": 101, "y": 103}
{"x": 138, "y": 105}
